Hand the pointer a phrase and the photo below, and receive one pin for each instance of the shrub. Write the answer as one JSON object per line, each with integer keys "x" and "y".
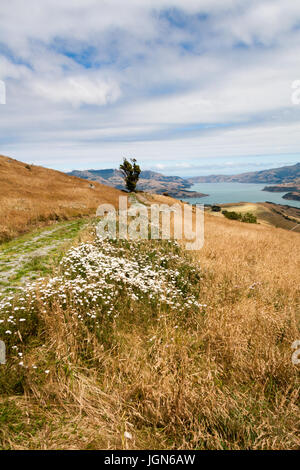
{"x": 232, "y": 215}
{"x": 248, "y": 217}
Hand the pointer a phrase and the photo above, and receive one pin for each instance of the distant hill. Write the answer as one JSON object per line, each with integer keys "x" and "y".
{"x": 176, "y": 186}
{"x": 286, "y": 179}
{"x": 285, "y": 174}
{"x": 149, "y": 181}
{"x": 111, "y": 175}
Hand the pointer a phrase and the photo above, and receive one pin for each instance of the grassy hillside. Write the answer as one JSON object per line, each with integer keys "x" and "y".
{"x": 280, "y": 216}
{"x": 181, "y": 350}
{"x": 31, "y": 196}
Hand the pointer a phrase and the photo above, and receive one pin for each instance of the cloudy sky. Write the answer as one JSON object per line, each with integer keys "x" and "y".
{"x": 185, "y": 86}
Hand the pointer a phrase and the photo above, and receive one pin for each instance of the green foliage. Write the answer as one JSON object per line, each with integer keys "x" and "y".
{"x": 248, "y": 217}
{"x": 232, "y": 215}
{"x": 131, "y": 173}
{"x": 16, "y": 424}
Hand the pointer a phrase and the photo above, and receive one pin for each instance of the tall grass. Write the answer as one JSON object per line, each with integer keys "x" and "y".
{"x": 211, "y": 369}
{"x": 32, "y": 196}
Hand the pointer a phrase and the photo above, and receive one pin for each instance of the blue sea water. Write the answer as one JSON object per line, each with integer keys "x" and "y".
{"x": 237, "y": 192}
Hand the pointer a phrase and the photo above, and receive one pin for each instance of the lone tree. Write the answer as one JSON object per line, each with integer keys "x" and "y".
{"x": 131, "y": 173}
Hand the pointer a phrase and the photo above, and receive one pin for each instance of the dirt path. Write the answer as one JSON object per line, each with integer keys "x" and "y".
{"x": 32, "y": 255}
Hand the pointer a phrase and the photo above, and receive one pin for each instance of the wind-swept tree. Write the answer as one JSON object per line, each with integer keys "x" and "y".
{"x": 131, "y": 173}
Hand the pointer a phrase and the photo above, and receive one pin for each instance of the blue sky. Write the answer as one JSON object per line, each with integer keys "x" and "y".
{"x": 186, "y": 87}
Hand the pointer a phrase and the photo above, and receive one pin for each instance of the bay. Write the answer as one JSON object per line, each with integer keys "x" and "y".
{"x": 221, "y": 193}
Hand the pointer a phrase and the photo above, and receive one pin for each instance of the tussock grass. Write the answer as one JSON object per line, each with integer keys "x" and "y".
{"x": 32, "y": 196}
{"x": 212, "y": 374}
{"x": 280, "y": 216}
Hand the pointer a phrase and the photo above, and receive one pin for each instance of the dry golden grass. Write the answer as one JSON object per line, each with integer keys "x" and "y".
{"x": 279, "y": 216}
{"x": 221, "y": 380}
{"x": 31, "y": 196}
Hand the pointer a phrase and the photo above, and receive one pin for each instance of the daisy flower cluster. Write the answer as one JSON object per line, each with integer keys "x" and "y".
{"x": 100, "y": 279}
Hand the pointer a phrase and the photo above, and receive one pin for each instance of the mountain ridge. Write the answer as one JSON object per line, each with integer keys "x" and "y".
{"x": 178, "y": 187}
{"x": 149, "y": 181}
{"x": 280, "y": 175}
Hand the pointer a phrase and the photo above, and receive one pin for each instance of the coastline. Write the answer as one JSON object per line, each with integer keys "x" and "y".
{"x": 292, "y": 191}
{"x": 226, "y": 192}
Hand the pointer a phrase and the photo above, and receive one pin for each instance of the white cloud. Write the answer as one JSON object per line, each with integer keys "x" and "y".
{"x": 92, "y": 80}
{"x": 78, "y": 90}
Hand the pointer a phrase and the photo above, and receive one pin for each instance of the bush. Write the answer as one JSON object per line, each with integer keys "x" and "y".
{"x": 232, "y": 215}
{"x": 248, "y": 217}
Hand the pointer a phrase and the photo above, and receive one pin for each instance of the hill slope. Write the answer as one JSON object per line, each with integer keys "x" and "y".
{"x": 180, "y": 350}
{"x": 31, "y": 195}
{"x": 285, "y": 174}
{"x": 176, "y": 186}
{"x": 149, "y": 181}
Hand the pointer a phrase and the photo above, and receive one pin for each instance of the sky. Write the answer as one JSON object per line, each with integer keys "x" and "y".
{"x": 187, "y": 87}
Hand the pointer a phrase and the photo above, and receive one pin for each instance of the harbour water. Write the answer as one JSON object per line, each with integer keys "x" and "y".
{"x": 237, "y": 192}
